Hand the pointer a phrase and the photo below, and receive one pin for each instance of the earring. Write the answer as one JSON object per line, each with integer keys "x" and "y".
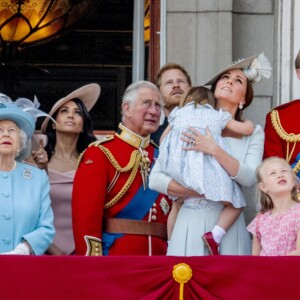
{"x": 241, "y": 106}
{"x": 298, "y": 194}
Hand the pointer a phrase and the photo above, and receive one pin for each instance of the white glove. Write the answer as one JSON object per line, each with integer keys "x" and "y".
{"x": 21, "y": 249}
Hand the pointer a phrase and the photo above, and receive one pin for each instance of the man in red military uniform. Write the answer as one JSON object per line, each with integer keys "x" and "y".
{"x": 282, "y": 130}
{"x": 114, "y": 211}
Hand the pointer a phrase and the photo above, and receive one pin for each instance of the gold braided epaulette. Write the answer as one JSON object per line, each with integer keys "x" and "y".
{"x": 80, "y": 158}
{"x": 288, "y": 137}
{"x": 96, "y": 144}
{"x": 132, "y": 166}
{"x": 99, "y": 142}
{"x": 296, "y": 168}
{"x": 154, "y": 144}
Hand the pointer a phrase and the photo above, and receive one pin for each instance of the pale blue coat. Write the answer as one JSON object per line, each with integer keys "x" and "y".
{"x": 193, "y": 220}
{"x": 25, "y": 209}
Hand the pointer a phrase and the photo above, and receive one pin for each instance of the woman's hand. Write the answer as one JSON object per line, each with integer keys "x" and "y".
{"x": 54, "y": 250}
{"x": 294, "y": 253}
{"x": 197, "y": 141}
{"x": 22, "y": 249}
{"x": 40, "y": 156}
{"x": 206, "y": 144}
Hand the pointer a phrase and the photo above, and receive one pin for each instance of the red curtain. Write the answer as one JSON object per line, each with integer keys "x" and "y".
{"x": 137, "y": 277}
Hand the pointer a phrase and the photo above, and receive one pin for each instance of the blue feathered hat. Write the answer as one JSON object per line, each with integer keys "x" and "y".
{"x": 23, "y": 112}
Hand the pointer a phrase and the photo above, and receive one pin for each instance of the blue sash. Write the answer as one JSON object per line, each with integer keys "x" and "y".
{"x": 137, "y": 208}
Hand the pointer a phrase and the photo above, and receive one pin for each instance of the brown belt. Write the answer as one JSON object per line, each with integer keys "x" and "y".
{"x": 127, "y": 226}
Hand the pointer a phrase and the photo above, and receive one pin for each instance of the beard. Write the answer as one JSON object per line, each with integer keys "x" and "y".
{"x": 171, "y": 102}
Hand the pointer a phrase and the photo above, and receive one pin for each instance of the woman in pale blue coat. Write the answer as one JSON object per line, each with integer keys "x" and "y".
{"x": 26, "y": 219}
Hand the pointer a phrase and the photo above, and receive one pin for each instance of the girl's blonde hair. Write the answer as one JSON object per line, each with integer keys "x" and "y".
{"x": 198, "y": 94}
{"x": 265, "y": 200}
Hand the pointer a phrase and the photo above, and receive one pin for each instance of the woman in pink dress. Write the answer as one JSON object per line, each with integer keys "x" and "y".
{"x": 66, "y": 139}
{"x": 276, "y": 228}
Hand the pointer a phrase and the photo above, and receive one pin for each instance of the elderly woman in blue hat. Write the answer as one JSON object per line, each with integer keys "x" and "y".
{"x": 26, "y": 221}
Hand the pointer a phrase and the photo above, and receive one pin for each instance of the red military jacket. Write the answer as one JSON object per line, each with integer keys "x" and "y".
{"x": 282, "y": 132}
{"x": 96, "y": 194}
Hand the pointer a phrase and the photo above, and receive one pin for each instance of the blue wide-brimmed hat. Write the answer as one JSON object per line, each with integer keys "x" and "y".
{"x": 10, "y": 111}
{"x": 23, "y": 112}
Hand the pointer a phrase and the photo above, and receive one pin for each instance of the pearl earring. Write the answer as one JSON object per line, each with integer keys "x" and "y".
{"x": 241, "y": 106}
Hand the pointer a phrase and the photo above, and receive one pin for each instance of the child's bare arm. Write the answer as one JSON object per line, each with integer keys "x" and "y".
{"x": 173, "y": 215}
{"x": 256, "y": 246}
{"x": 244, "y": 127}
{"x": 167, "y": 130}
{"x": 297, "y": 251}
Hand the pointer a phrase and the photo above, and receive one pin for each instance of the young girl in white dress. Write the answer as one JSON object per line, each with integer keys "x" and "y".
{"x": 197, "y": 171}
{"x": 276, "y": 228}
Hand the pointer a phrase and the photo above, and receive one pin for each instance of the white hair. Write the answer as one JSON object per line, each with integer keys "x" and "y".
{"x": 131, "y": 94}
{"x": 25, "y": 147}
{"x": 23, "y": 139}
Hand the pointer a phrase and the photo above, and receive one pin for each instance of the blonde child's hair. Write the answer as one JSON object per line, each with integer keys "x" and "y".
{"x": 297, "y": 61}
{"x": 200, "y": 95}
{"x": 265, "y": 200}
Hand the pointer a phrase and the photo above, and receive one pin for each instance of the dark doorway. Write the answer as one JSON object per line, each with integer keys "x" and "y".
{"x": 98, "y": 49}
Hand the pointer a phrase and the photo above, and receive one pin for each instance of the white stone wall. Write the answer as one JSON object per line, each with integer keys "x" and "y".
{"x": 205, "y": 36}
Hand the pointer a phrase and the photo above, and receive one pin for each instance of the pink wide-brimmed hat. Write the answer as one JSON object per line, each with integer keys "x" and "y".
{"x": 88, "y": 94}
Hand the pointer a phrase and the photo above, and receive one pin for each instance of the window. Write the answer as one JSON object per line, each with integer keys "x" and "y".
{"x": 99, "y": 49}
